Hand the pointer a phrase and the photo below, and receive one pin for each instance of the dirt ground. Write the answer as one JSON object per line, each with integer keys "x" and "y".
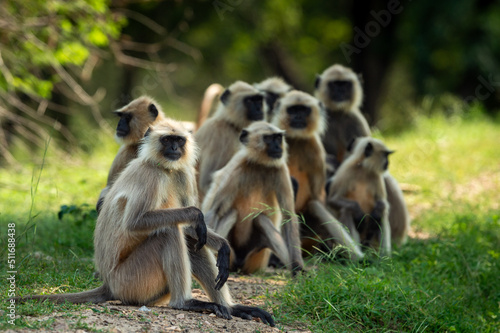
{"x": 115, "y": 318}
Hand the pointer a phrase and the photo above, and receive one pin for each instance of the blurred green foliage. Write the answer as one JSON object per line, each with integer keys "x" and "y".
{"x": 37, "y": 35}
{"x": 443, "y": 55}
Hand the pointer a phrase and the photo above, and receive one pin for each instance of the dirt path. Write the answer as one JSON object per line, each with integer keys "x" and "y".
{"x": 113, "y": 317}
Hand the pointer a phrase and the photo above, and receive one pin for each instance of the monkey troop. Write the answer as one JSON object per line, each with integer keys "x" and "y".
{"x": 251, "y": 197}
{"x": 258, "y": 162}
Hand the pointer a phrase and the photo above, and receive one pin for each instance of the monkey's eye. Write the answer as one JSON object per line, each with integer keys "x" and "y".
{"x": 268, "y": 138}
{"x": 164, "y": 140}
{"x": 180, "y": 141}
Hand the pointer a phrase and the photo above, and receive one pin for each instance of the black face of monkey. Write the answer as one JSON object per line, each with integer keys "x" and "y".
{"x": 123, "y": 128}
{"x": 271, "y": 98}
{"x": 298, "y": 115}
{"x": 173, "y": 146}
{"x": 340, "y": 90}
{"x": 254, "y": 105}
{"x": 386, "y": 162}
{"x": 274, "y": 144}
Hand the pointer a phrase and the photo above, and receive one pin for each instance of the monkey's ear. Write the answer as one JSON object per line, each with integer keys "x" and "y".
{"x": 244, "y": 137}
{"x": 361, "y": 79}
{"x": 317, "y": 81}
{"x": 350, "y": 145}
{"x": 225, "y": 95}
{"x": 153, "y": 110}
{"x": 147, "y": 132}
{"x": 368, "y": 149}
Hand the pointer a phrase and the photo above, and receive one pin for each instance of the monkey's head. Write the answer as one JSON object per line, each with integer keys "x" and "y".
{"x": 274, "y": 88}
{"x": 339, "y": 88}
{"x": 242, "y": 104}
{"x": 135, "y": 119}
{"x": 300, "y": 115}
{"x": 169, "y": 145}
{"x": 264, "y": 144}
{"x": 371, "y": 154}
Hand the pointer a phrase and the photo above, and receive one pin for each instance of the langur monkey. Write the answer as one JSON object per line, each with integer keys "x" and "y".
{"x": 357, "y": 195}
{"x": 150, "y": 237}
{"x": 135, "y": 118}
{"x": 251, "y": 197}
{"x": 274, "y": 88}
{"x": 301, "y": 116}
{"x": 240, "y": 105}
{"x": 339, "y": 88}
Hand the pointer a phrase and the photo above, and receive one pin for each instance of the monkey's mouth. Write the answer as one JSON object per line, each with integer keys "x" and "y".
{"x": 121, "y": 134}
{"x": 275, "y": 154}
{"x": 298, "y": 124}
{"x": 255, "y": 115}
{"x": 172, "y": 156}
{"x": 340, "y": 96}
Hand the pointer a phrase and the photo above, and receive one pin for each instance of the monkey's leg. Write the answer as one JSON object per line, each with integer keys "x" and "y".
{"x": 346, "y": 218}
{"x": 217, "y": 243}
{"x": 335, "y": 228}
{"x": 203, "y": 266}
{"x": 272, "y": 238}
{"x": 177, "y": 268}
{"x": 226, "y": 223}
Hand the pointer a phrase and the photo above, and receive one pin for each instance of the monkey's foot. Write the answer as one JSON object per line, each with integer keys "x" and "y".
{"x": 199, "y": 306}
{"x": 248, "y": 312}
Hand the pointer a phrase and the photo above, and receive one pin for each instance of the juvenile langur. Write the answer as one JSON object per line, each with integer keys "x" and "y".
{"x": 339, "y": 88}
{"x": 301, "y": 116}
{"x": 135, "y": 118}
{"x": 240, "y": 105}
{"x": 274, "y": 88}
{"x": 150, "y": 237}
{"x": 251, "y": 202}
{"x": 357, "y": 194}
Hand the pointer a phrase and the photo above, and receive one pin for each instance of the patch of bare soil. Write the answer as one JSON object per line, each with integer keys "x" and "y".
{"x": 113, "y": 317}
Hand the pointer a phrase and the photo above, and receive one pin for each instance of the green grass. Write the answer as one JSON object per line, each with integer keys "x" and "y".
{"x": 447, "y": 280}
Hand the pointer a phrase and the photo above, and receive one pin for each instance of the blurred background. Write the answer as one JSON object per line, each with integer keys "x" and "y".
{"x": 65, "y": 65}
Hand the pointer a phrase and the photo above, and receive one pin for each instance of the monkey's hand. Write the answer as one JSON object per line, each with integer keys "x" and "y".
{"x": 248, "y": 312}
{"x": 297, "y": 269}
{"x": 357, "y": 213}
{"x": 223, "y": 264}
{"x": 201, "y": 229}
{"x": 378, "y": 210}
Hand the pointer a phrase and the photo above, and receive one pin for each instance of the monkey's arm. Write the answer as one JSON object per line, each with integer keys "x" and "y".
{"x": 378, "y": 211}
{"x": 334, "y": 227}
{"x": 343, "y": 204}
{"x": 158, "y": 219}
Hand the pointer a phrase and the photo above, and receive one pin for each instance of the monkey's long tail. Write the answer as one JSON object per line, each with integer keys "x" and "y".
{"x": 211, "y": 93}
{"x": 97, "y": 295}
